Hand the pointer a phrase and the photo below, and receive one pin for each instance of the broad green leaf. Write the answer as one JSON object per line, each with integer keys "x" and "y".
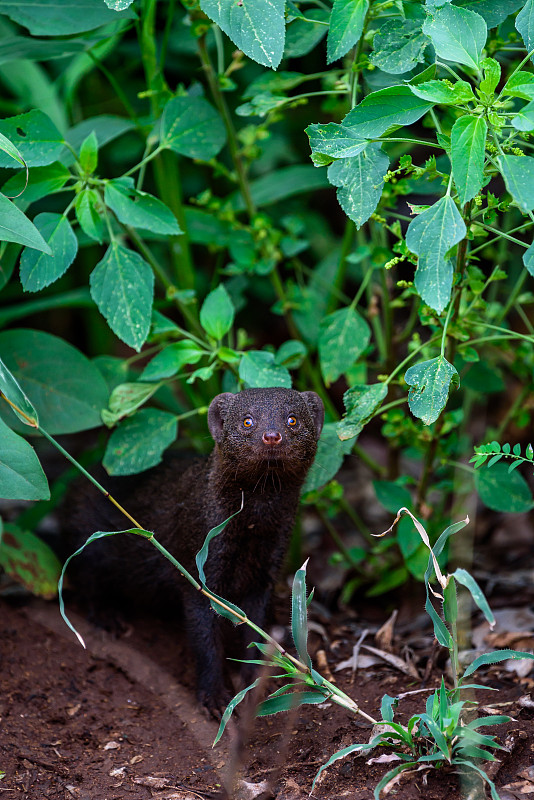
{"x": 520, "y": 84}
{"x": 89, "y": 214}
{"x": 30, "y": 561}
{"x": 217, "y": 313}
{"x": 501, "y": 490}
{"x": 291, "y": 354}
{"x": 16, "y": 227}
{"x": 360, "y": 180}
{"x": 493, "y": 11}
{"x": 528, "y": 259}
{"x": 106, "y": 128}
{"x": 21, "y": 474}
{"x": 42, "y": 181}
{"x": 34, "y": 135}
{"x": 171, "y": 360}
{"x": 442, "y": 92}
{"x": 191, "y": 127}
{"x": 393, "y": 496}
{"x": 12, "y": 391}
{"x": 468, "y": 142}
{"x": 361, "y": 402}
{"x": 89, "y": 153}
{"x": 299, "y": 615}
{"x": 118, "y": 5}
{"x": 492, "y": 75}
{"x": 398, "y": 46}
{"x": 329, "y": 457}
{"x": 38, "y": 270}
{"x": 303, "y": 35}
{"x": 256, "y": 28}
{"x": 524, "y": 119}
{"x": 524, "y": 22}
{"x": 257, "y": 368}
{"x": 343, "y": 337}
{"x": 138, "y": 443}
{"x": 395, "y": 105}
{"x": 66, "y": 388}
{"x": 346, "y": 27}
{"x": 457, "y": 34}
{"x": 50, "y": 18}
{"x": 430, "y": 236}
{"x": 518, "y": 174}
{"x": 280, "y": 184}
{"x": 430, "y": 382}
{"x": 335, "y": 141}
{"x": 17, "y": 48}
{"x": 122, "y": 286}
{"x": 139, "y": 209}
{"x": 495, "y": 658}
{"x": 125, "y": 399}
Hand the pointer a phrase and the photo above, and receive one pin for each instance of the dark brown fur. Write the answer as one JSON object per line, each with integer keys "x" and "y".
{"x": 266, "y": 462}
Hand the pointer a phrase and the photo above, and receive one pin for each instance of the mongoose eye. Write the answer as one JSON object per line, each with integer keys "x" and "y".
{"x": 248, "y": 422}
{"x": 291, "y": 421}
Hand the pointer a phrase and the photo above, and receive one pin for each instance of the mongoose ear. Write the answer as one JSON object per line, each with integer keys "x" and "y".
{"x": 217, "y": 412}
{"x": 315, "y": 405}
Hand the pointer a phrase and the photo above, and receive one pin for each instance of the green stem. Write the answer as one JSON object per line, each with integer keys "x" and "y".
{"x": 339, "y": 278}
{"x": 130, "y": 110}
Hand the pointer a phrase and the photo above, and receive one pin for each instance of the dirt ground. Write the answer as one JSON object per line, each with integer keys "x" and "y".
{"x": 118, "y": 720}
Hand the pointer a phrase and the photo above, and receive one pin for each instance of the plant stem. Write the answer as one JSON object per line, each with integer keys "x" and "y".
{"x": 220, "y": 102}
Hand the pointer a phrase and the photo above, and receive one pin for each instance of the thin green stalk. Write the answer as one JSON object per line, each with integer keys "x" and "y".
{"x": 356, "y": 519}
{"x": 166, "y": 34}
{"x": 336, "y": 537}
{"x": 502, "y": 234}
{"x": 233, "y": 147}
{"x": 339, "y": 278}
{"x": 504, "y": 331}
{"x": 117, "y": 88}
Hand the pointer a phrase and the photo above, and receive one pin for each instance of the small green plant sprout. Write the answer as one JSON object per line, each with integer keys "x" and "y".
{"x": 440, "y": 735}
{"x": 495, "y": 452}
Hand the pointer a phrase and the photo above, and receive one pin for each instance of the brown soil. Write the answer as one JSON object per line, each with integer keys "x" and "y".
{"x": 118, "y": 721}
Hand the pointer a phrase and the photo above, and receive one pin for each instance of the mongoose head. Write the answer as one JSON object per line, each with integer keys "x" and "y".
{"x": 262, "y": 431}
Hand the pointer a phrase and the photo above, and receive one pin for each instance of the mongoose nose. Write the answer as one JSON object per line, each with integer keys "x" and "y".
{"x": 272, "y": 437}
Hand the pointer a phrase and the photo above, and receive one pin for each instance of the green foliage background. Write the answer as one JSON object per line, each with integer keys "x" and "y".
{"x": 344, "y": 203}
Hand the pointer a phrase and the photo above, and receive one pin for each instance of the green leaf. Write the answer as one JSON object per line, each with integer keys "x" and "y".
{"x": 518, "y": 174}
{"x": 398, "y": 46}
{"x": 343, "y": 337}
{"x": 30, "y": 561}
{"x": 334, "y": 140}
{"x": 171, "y": 360}
{"x": 493, "y": 11}
{"x": 430, "y": 236}
{"x": 88, "y": 213}
{"x": 467, "y": 580}
{"x": 12, "y": 391}
{"x": 16, "y": 227}
{"x": 16, "y": 48}
{"x": 257, "y": 368}
{"x": 457, "y": 34}
{"x": 257, "y": 28}
{"x": 492, "y": 75}
{"x": 66, "y": 388}
{"x": 202, "y": 555}
{"x": 21, "y": 474}
{"x": 42, "y": 181}
{"x": 38, "y": 270}
{"x": 299, "y": 615}
{"x": 34, "y": 135}
{"x": 47, "y": 18}
{"x": 360, "y": 180}
{"x": 191, "y": 127}
{"x": 441, "y": 92}
{"x": 347, "y": 751}
{"x": 361, "y": 401}
{"x": 524, "y": 22}
{"x": 106, "y": 127}
{"x": 280, "y": 184}
{"x": 290, "y": 354}
{"x": 393, "y": 496}
{"x": 139, "y": 209}
{"x": 524, "y": 119}
{"x": 89, "y": 153}
{"x": 468, "y": 143}
{"x": 328, "y": 459}
{"x": 303, "y": 34}
{"x": 286, "y": 702}
{"x": 125, "y": 399}
{"x": 520, "y": 84}
{"x": 217, "y": 313}
{"x": 494, "y": 658}
{"x": 395, "y": 105}
{"x": 430, "y": 382}
{"x": 501, "y": 490}
{"x": 11, "y": 150}
{"x": 122, "y": 286}
{"x": 346, "y": 27}
{"x": 138, "y": 443}
{"x": 230, "y": 707}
